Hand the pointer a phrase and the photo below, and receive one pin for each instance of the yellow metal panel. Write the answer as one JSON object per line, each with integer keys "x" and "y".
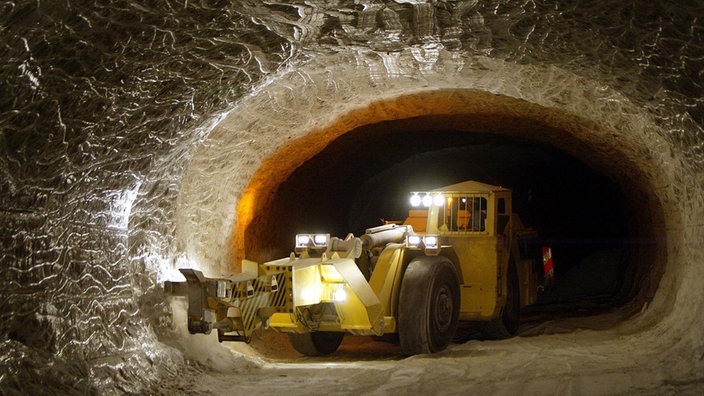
{"x": 386, "y": 278}
{"x": 362, "y": 308}
{"x": 283, "y": 320}
{"x": 353, "y": 314}
{"x": 476, "y": 304}
{"x": 250, "y": 268}
{"x": 330, "y": 274}
{"x": 307, "y": 284}
{"x": 478, "y": 258}
{"x": 355, "y": 279}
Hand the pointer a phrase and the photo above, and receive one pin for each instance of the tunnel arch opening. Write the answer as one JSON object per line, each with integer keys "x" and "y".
{"x": 236, "y": 169}
{"x": 570, "y": 181}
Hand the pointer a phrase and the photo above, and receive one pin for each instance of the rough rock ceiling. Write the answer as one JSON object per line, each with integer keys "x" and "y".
{"x": 111, "y": 109}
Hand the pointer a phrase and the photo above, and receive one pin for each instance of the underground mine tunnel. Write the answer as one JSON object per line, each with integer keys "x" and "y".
{"x": 601, "y": 241}
{"x": 574, "y": 178}
{"x": 143, "y": 137}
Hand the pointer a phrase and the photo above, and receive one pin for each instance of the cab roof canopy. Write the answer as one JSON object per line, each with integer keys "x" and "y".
{"x": 470, "y": 186}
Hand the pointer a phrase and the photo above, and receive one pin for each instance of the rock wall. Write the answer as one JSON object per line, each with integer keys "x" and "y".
{"x": 130, "y": 131}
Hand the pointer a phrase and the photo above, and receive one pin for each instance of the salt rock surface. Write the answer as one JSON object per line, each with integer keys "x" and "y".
{"x": 131, "y": 132}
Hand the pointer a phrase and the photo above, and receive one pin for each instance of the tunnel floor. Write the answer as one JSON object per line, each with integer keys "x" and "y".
{"x": 572, "y": 355}
{"x": 535, "y": 321}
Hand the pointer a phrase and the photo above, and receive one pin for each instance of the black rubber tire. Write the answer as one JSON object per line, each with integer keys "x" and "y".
{"x": 316, "y": 343}
{"x": 429, "y": 305}
{"x": 507, "y": 325}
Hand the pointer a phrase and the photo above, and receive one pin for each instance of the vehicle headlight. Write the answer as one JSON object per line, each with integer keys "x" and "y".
{"x": 413, "y": 240}
{"x": 320, "y": 239}
{"x": 430, "y": 241}
{"x": 427, "y": 200}
{"x": 339, "y": 295}
{"x": 432, "y": 245}
{"x": 309, "y": 295}
{"x": 304, "y": 241}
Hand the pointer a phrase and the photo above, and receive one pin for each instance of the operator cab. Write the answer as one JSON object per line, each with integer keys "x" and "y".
{"x": 468, "y": 208}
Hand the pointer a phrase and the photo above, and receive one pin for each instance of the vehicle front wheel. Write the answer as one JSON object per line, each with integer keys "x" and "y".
{"x": 429, "y": 305}
{"x": 316, "y": 343}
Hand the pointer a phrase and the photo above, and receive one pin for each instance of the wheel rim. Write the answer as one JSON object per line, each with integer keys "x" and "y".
{"x": 443, "y": 309}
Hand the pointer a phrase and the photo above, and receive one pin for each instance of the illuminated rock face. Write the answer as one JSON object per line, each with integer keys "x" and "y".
{"x": 137, "y": 140}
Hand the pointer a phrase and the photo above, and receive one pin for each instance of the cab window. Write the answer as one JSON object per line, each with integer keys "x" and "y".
{"x": 464, "y": 213}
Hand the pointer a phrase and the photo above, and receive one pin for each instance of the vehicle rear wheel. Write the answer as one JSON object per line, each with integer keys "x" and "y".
{"x": 316, "y": 343}
{"x": 506, "y": 326}
{"x": 429, "y": 305}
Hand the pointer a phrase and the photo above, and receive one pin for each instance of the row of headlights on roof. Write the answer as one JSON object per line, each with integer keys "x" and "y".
{"x": 427, "y": 200}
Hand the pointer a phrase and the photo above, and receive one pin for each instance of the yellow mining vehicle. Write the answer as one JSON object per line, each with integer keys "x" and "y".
{"x": 460, "y": 256}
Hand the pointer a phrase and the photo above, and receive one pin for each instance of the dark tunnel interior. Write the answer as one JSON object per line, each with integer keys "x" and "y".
{"x": 364, "y": 177}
